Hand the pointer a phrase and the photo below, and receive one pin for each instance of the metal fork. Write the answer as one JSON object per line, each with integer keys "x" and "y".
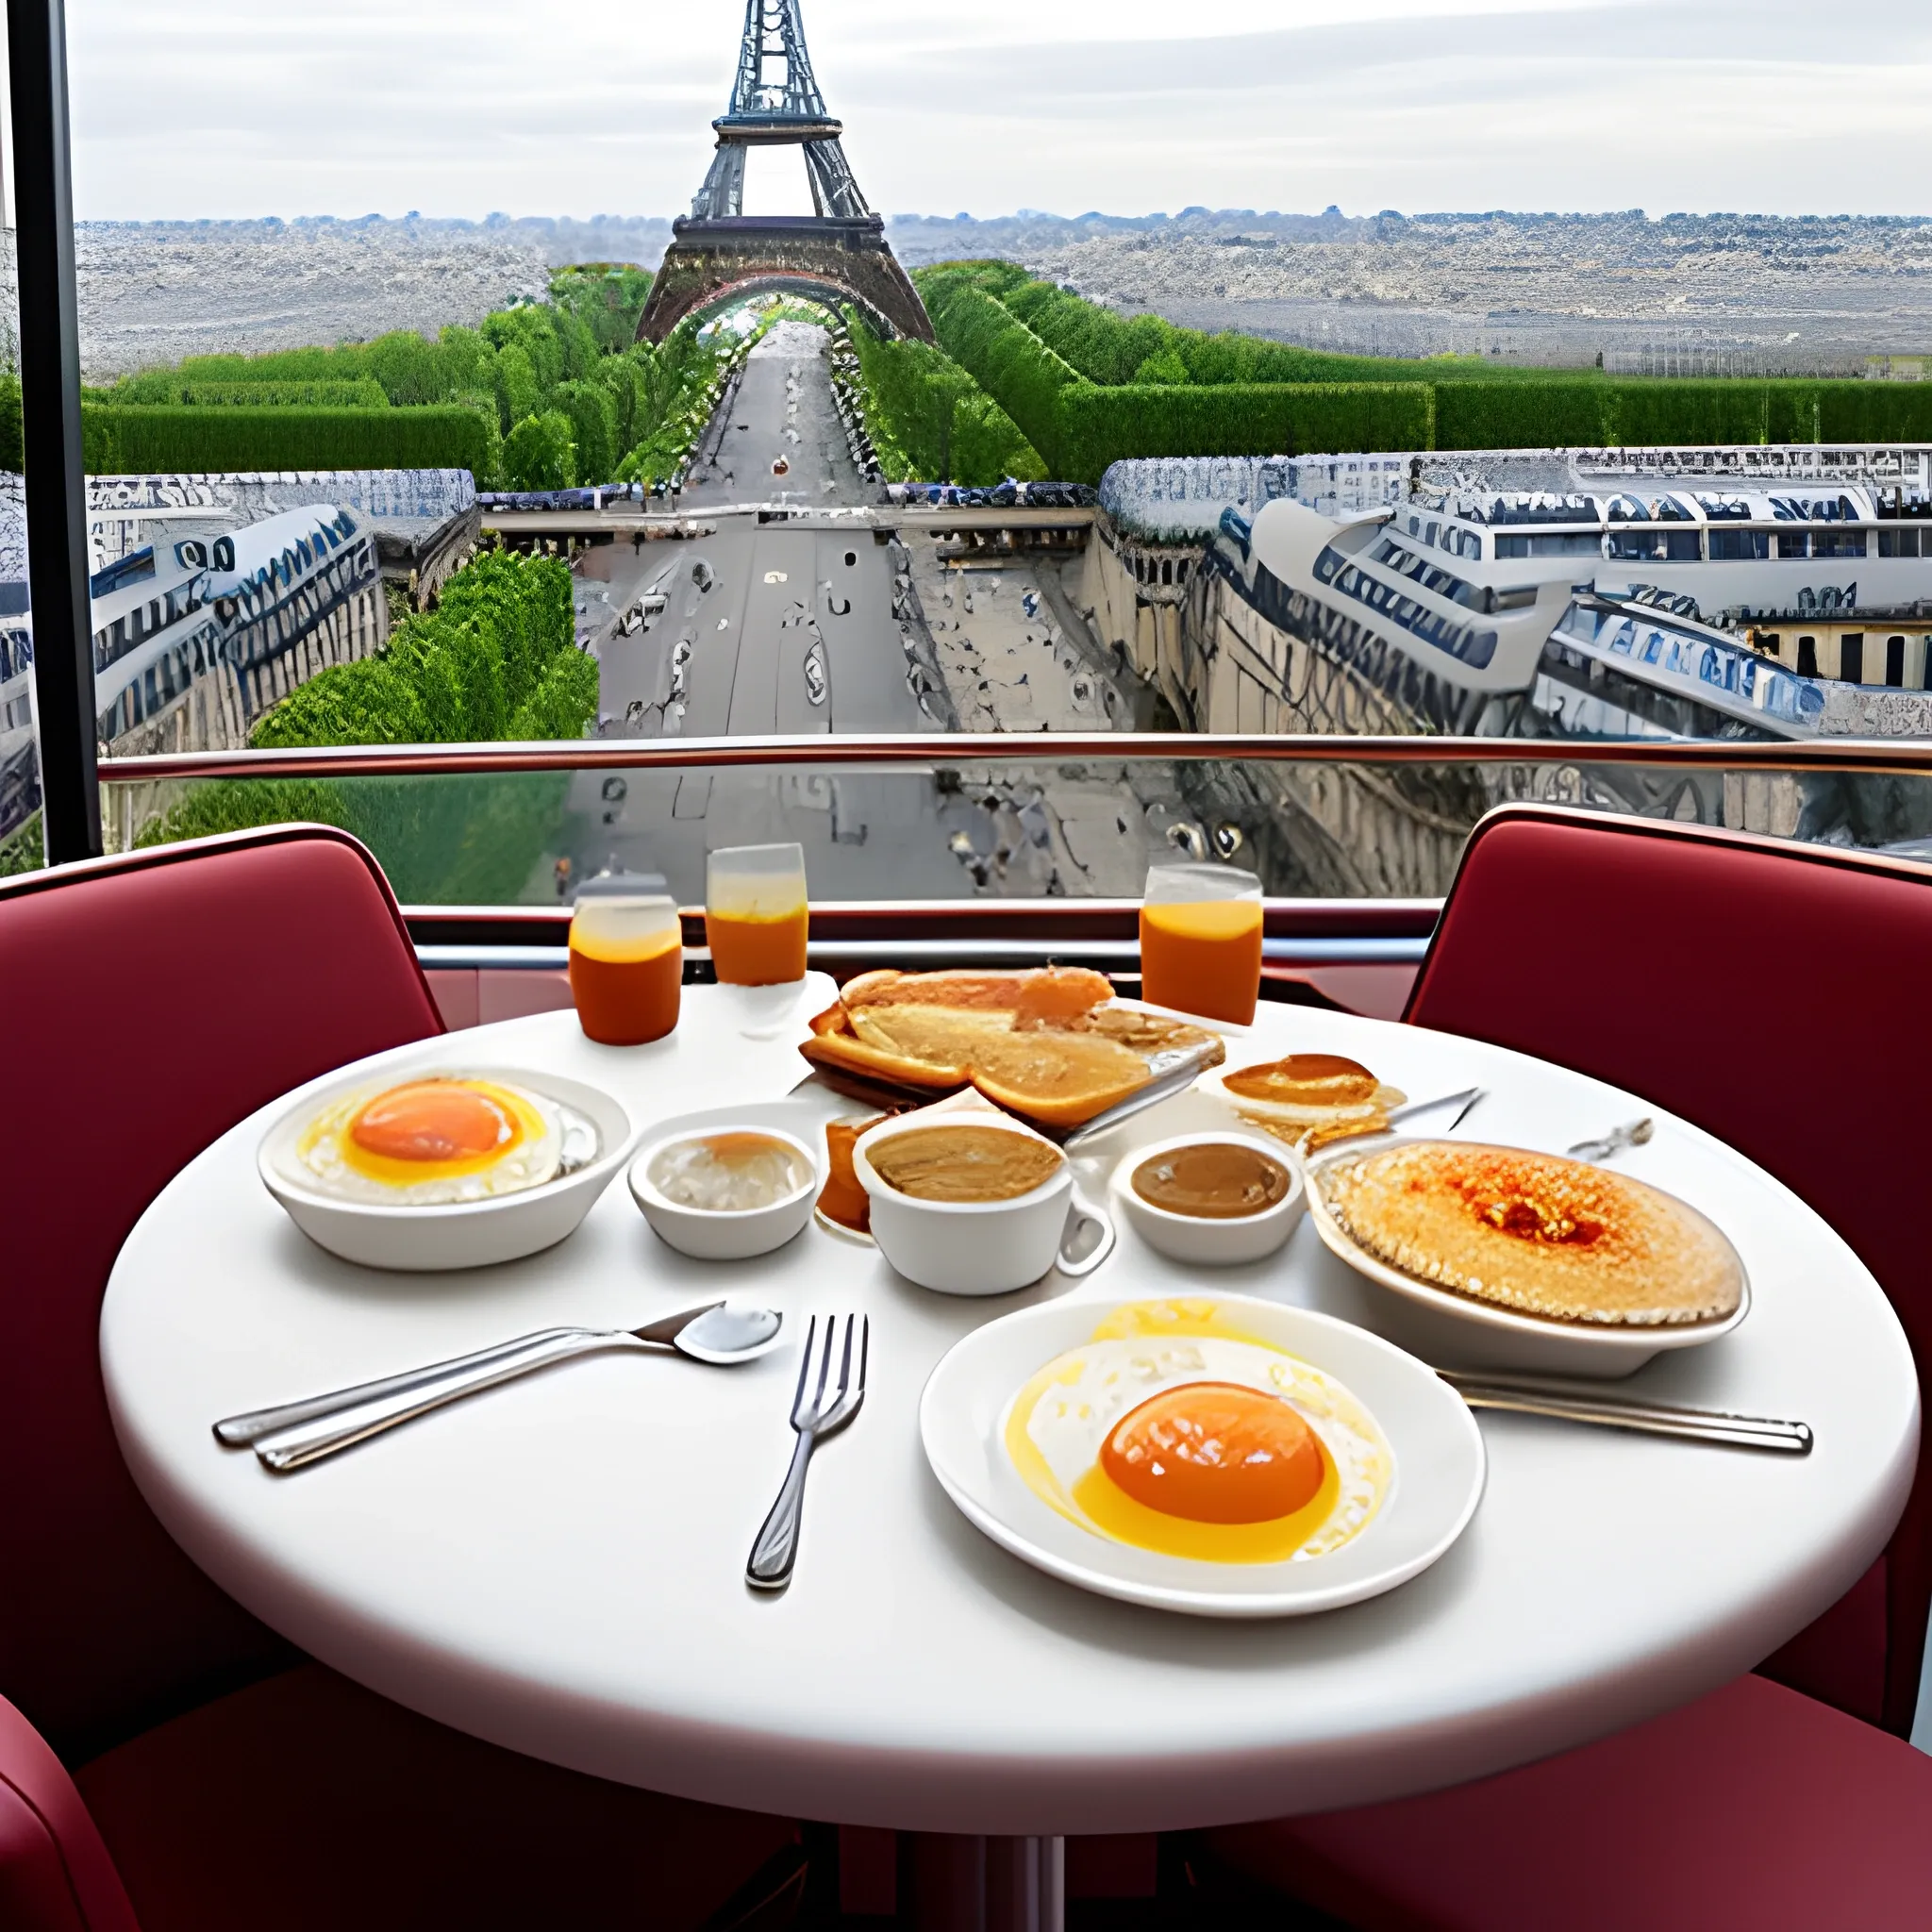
{"x": 814, "y": 1417}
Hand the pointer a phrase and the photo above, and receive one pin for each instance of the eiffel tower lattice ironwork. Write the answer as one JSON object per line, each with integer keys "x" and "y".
{"x": 719, "y": 254}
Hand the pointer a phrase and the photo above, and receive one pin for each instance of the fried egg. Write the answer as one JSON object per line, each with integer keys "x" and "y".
{"x": 1174, "y": 1429}
{"x": 432, "y": 1141}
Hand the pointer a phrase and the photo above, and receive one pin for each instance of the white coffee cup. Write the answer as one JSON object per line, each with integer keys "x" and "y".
{"x": 980, "y": 1247}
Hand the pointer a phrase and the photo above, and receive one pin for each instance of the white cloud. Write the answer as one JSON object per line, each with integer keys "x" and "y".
{"x": 230, "y": 107}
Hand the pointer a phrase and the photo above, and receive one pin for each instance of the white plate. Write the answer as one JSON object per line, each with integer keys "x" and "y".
{"x": 1462, "y": 1332}
{"x": 459, "y": 1234}
{"x": 1438, "y": 1456}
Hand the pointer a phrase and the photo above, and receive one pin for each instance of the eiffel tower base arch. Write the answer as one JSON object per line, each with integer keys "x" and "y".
{"x": 710, "y": 265}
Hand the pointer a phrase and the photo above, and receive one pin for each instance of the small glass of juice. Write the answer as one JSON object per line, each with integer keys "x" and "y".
{"x": 754, "y": 914}
{"x": 626, "y": 958}
{"x": 1201, "y": 941}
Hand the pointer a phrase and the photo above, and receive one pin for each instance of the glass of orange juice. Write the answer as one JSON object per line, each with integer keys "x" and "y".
{"x": 626, "y": 958}
{"x": 1201, "y": 941}
{"x": 756, "y": 915}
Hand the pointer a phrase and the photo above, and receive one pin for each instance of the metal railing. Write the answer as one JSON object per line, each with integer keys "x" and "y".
{"x": 1873, "y": 756}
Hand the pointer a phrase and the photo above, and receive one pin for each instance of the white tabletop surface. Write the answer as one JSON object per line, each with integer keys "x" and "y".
{"x": 558, "y": 1566}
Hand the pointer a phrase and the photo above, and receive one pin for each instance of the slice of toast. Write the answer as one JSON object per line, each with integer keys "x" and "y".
{"x": 1044, "y": 1044}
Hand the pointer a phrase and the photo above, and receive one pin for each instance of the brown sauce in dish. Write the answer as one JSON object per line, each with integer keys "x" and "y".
{"x": 964, "y": 1163}
{"x": 1320, "y": 1079}
{"x": 1215, "y": 1180}
{"x": 842, "y": 1199}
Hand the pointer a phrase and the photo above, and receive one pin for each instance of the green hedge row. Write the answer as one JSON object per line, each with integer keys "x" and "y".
{"x": 1080, "y": 425}
{"x": 169, "y": 388}
{"x": 1101, "y": 425}
{"x": 1010, "y": 362}
{"x": 928, "y": 412}
{"x": 122, "y": 441}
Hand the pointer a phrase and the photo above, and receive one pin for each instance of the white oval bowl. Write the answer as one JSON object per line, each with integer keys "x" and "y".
{"x": 722, "y": 1234}
{"x": 966, "y": 1247}
{"x": 1458, "y": 1331}
{"x": 457, "y": 1234}
{"x": 1195, "y": 1238}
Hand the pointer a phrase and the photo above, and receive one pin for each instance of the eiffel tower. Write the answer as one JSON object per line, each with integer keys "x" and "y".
{"x": 720, "y": 254}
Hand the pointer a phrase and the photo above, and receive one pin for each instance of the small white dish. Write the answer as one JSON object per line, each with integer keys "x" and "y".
{"x": 980, "y": 1247}
{"x": 712, "y": 1234}
{"x": 1195, "y": 1238}
{"x": 1461, "y": 1332}
{"x": 1437, "y": 1450}
{"x": 462, "y": 1234}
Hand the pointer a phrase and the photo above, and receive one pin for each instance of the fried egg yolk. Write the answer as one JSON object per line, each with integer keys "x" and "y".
{"x": 433, "y": 1128}
{"x": 1173, "y": 1430}
{"x": 1214, "y": 1452}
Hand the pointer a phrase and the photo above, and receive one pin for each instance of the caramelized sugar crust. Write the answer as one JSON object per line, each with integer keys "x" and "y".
{"x": 1536, "y": 1233}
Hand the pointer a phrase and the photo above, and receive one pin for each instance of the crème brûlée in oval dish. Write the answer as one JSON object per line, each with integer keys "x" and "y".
{"x": 1046, "y": 1045}
{"x": 1534, "y": 1233}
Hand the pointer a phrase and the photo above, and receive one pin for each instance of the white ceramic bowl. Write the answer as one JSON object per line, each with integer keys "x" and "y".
{"x": 978, "y": 1247}
{"x": 717, "y": 1233}
{"x": 463, "y": 1234}
{"x": 1458, "y": 1331}
{"x": 1190, "y": 1237}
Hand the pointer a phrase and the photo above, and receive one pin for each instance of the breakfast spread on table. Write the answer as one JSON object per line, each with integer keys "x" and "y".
{"x": 1172, "y": 1429}
{"x": 1180, "y": 1427}
{"x": 1537, "y": 1233}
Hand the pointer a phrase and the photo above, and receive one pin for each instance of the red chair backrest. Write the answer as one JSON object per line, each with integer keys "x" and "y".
{"x": 56, "y": 1875}
{"x": 1676, "y": 961}
{"x": 151, "y": 1003}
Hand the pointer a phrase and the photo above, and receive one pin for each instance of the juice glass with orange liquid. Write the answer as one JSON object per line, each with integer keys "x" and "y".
{"x": 626, "y": 960}
{"x": 1201, "y": 941}
{"x": 756, "y": 916}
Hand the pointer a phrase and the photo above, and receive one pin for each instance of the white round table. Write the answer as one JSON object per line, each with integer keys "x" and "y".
{"x": 558, "y": 1565}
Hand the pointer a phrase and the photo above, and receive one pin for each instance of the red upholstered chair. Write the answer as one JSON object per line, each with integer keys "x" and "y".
{"x": 152, "y": 1001}
{"x": 1659, "y": 957}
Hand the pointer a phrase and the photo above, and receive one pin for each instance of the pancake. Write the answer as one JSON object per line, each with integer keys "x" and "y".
{"x": 1535, "y": 1233}
{"x": 1309, "y": 1098}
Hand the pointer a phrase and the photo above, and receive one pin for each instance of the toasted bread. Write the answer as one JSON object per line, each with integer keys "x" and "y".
{"x": 1040, "y": 1043}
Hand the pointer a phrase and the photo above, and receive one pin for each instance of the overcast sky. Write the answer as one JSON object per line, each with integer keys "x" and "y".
{"x": 239, "y": 108}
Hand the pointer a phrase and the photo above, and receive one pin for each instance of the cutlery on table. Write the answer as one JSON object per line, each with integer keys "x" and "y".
{"x": 1579, "y": 1401}
{"x": 814, "y": 1417}
{"x": 1631, "y": 1133}
{"x": 298, "y": 1433}
{"x": 1467, "y": 1098}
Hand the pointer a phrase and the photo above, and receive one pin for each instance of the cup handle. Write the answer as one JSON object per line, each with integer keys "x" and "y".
{"x": 1081, "y": 1215}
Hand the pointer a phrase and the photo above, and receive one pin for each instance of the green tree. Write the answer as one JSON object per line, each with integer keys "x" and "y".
{"x": 562, "y": 702}
{"x": 593, "y": 428}
{"x": 540, "y": 453}
{"x": 607, "y": 297}
{"x": 518, "y": 392}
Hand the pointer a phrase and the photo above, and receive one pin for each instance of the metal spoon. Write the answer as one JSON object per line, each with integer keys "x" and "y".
{"x": 720, "y": 1334}
{"x": 1631, "y": 1133}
